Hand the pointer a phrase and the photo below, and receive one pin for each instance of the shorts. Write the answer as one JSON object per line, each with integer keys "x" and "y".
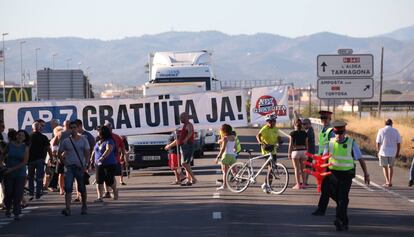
{"x": 60, "y": 168}
{"x": 105, "y": 174}
{"x": 386, "y": 160}
{"x": 73, "y": 172}
{"x": 186, "y": 153}
{"x": 228, "y": 159}
{"x": 118, "y": 169}
{"x": 300, "y": 154}
{"x": 173, "y": 161}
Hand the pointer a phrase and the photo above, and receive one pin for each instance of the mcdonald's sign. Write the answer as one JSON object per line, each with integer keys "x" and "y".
{"x": 14, "y": 94}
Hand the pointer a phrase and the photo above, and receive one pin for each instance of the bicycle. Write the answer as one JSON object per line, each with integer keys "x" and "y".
{"x": 240, "y": 175}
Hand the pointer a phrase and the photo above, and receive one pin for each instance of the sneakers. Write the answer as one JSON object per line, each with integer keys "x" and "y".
{"x": 266, "y": 188}
{"x": 296, "y": 187}
{"x": 107, "y": 195}
{"x": 410, "y": 183}
{"x": 84, "y": 210}
{"x": 116, "y": 194}
{"x": 220, "y": 188}
{"x": 98, "y": 200}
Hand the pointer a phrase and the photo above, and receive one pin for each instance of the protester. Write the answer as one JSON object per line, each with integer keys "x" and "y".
{"x": 3, "y": 142}
{"x": 185, "y": 142}
{"x": 325, "y": 135}
{"x": 268, "y": 138}
{"x": 344, "y": 152}
{"x": 298, "y": 145}
{"x": 39, "y": 147}
{"x": 227, "y": 154}
{"x": 307, "y": 125}
{"x": 411, "y": 178}
{"x": 388, "y": 148}
{"x": 17, "y": 152}
{"x": 74, "y": 152}
{"x": 65, "y": 133}
{"x": 104, "y": 161}
{"x": 51, "y": 176}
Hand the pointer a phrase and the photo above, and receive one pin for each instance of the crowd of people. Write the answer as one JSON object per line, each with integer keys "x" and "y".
{"x": 57, "y": 164}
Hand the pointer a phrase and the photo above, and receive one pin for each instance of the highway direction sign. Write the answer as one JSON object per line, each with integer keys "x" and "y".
{"x": 345, "y": 66}
{"x": 355, "y": 88}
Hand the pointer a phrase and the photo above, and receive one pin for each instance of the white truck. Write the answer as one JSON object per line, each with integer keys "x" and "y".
{"x": 173, "y": 73}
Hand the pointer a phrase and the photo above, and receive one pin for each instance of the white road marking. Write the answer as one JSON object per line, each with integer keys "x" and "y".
{"x": 387, "y": 190}
{"x": 216, "y": 195}
{"x": 216, "y": 215}
{"x": 363, "y": 185}
{"x": 6, "y": 221}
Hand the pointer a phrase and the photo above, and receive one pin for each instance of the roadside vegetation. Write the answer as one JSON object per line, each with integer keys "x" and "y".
{"x": 365, "y": 132}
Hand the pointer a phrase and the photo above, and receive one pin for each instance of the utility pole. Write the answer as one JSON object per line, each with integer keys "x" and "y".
{"x": 310, "y": 100}
{"x": 381, "y": 78}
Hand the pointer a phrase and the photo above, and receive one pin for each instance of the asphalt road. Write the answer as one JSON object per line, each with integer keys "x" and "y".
{"x": 150, "y": 206}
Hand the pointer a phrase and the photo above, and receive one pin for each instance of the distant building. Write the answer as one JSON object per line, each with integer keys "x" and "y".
{"x": 63, "y": 84}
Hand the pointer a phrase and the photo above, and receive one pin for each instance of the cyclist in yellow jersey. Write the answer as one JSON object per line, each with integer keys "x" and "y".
{"x": 268, "y": 138}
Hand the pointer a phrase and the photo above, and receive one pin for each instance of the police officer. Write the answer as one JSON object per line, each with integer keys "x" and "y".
{"x": 344, "y": 151}
{"x": 325, "y": 134}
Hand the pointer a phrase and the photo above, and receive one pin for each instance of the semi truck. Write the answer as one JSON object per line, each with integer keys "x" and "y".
{"x": 170, "y": 74}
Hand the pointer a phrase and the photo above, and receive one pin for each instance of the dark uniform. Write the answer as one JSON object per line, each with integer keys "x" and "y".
{"x": 344, "y": 152}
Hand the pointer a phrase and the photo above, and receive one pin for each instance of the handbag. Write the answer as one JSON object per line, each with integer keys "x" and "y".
{"x": 86, "y": 175}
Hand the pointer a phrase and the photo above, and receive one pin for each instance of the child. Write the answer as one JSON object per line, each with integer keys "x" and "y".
{"x": 227, "y": 154}
{"x": 173, "y": 158}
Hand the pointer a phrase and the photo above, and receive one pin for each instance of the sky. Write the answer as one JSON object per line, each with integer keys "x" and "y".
{"x": 117, "y": 19}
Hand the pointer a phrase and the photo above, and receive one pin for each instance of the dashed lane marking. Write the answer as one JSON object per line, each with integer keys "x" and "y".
{"x": 216, "y": 215}
{"x": 5, "y": 221}
{"x": 387, "y": 190}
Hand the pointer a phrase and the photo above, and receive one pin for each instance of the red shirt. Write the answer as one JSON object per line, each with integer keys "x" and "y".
{"x": 183, "y": 134}
{"x": 119, "y": 145}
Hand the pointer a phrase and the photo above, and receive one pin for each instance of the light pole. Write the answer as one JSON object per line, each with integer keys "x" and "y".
{"x": 53, "y": 60}
{"x": 67, "y": 62}
{"x": 21, "y": 70}
{"x": 4, "y": 70}
{"x": 36, "y": 50}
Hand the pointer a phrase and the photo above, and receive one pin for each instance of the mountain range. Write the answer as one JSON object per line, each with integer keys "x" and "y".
{"x": 260, "y": 56}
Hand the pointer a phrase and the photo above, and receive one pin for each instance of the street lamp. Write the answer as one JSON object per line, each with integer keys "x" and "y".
{"x": 67, "y": 62}
{"x": 21, "y": 70}
{"x": 36, "y": 50}
{"x": 53, "y": 60}
{"x": 4, "y": 70}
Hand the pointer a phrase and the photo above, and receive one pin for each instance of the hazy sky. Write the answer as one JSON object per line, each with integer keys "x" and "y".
{"x": 116, "y": 19}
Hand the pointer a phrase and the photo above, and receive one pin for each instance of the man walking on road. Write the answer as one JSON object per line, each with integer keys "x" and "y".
{"x": 388, "y": 148}
{"x": 268, "y": 138}
{"x": 186, "y": 142}
{"x": 74, "y": 152}
{"x": 344, "y": 152}
{"x": 325, "y": 135}
{"x": 39, "y": 147}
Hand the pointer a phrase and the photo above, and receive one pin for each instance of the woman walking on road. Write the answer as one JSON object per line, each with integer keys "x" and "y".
{"x": 16, "y": 157}
{"x": 227, "y": 154}
{"x": 298, "y": 145}
{"x": 104, "y": 161}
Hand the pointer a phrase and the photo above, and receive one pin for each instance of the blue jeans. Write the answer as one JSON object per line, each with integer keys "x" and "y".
{"x": 412, "y": 170}
{"x": 73, "y": 172}
{"x": 36, "y": 170}
{"x": 14, "y": 186}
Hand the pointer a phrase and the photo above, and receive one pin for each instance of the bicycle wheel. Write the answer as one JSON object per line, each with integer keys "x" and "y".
{"x": 238, "y": 177}
{"x": 278, "y": 179}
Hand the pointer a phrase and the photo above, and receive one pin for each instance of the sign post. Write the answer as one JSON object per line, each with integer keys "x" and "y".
{"x": 345, "y": 75}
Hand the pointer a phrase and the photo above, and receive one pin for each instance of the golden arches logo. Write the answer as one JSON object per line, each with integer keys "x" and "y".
{"x": 18, "y": 93}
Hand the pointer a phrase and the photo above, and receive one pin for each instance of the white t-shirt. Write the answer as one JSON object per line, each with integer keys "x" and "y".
{"x": 388, "y": 137}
